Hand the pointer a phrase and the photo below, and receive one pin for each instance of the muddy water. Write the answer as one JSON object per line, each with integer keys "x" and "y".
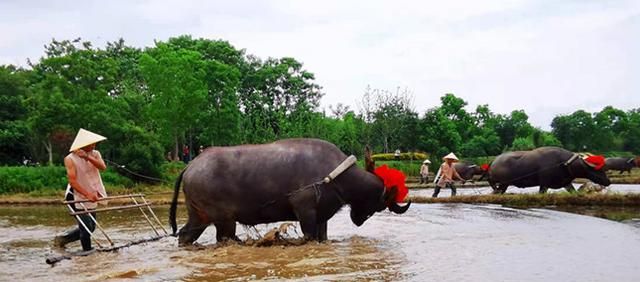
{"x": 427, "y": 192}
{"x": 435, "y": 242}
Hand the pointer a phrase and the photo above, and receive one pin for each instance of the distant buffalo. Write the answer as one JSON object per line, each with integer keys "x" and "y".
{"x": 621, "y": 164}
{"x": 547, "y": 167}
{"x": 467, "y": 170}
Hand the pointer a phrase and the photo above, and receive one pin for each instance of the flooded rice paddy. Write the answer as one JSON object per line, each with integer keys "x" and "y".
{"x": 462, "y": 190}
{"x": 431, "y": 242}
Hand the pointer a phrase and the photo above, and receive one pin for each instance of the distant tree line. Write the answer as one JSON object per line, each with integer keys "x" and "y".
{"x": 151, "y": 102}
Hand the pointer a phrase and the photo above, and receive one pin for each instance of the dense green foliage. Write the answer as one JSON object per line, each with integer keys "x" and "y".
{"x": 198, "y": 92}
{"x": 49, "y": 178}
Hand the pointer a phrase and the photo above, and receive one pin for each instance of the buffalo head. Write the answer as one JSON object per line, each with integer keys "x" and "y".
{"x": 592, "y": 169}
{"x": 365, "y": 207}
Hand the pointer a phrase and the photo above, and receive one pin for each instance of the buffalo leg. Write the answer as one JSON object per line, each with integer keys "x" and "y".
{"x": 226, "y": 231}
{"x": 190, "y": 232}
{"x": 308, "y": 224}
{"x": 494, "y": 187}
{"x": 500, "y": 189}
{"x": 543, "y": 190}
{"x": 322, "y": 231}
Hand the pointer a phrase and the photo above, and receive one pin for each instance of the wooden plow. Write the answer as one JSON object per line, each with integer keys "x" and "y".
{"x": 138, "y": 201}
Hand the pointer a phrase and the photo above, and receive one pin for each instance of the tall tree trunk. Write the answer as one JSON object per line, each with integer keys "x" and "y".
{"x": 175, "y": 154}
{"x": 47, "y": 146}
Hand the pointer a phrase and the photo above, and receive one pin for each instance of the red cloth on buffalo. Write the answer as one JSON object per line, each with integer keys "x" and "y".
{"x": 597, "y": 161}
{"x": 393, "y": 177}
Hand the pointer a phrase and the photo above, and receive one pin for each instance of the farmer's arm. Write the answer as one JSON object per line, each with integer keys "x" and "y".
{"x": 96, "y": 160}
{"x": 456, "y": 175}
{"x": 73, "y": 181}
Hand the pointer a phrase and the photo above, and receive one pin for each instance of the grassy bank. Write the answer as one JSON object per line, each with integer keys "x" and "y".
{"x": 157, "y": 194}
{"x": 540, "y": 200}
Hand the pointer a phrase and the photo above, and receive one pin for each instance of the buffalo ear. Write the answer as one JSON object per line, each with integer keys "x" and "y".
{"x": 368, "y": 161}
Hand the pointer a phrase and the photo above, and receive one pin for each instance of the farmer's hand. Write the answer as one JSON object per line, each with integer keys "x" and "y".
{"x": 82, "y": 153}
{"x": 93, "y": 197}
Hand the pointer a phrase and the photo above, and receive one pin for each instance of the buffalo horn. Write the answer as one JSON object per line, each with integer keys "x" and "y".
{"x": 394, "y": 207}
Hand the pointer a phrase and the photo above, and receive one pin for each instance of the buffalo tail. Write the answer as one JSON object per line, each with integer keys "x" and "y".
{"x": 174, "y": 203}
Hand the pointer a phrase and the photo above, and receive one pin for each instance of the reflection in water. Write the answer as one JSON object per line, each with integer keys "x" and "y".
{"x": 436, "y": 242}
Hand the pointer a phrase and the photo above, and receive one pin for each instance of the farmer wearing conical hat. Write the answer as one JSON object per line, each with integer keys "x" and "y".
{"x": 83, "y": 165}
{"x": 446, "y": 175}
{"x": 424, "y": 171}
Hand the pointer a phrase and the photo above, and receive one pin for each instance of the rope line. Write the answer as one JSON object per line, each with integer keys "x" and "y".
{"x": 134, "y": 173}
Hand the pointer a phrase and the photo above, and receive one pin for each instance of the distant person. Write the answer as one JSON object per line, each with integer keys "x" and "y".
{"x": 200, "y": 150}
{"x": 396, "y": 154}
{"x": 83, "y": 165}
{"x": 186, "y": 156}
{"x": 446, "y": 175}
{"x": 424, "y": 171}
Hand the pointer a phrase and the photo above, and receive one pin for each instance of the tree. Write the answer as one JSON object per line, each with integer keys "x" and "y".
{"x": 392, "y": 120}
{"x": 177, "y": 89}
{"x": 220, "y": 121}
{"x": 277, "y": 98}
{"x": 522, "y": 144}
{"x": 631, "y": 131}
{"x": 609, "y": 123}
{"x": 575, "y": 131}
{"x": 13, "y": 115}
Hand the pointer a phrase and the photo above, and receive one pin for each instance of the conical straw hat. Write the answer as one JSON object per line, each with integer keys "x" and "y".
{"x": 451, "y": 156}
{"x": 85, "y": 138}
{"x": 426, "y": 162}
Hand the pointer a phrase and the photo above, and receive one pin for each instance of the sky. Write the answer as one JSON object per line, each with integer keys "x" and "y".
{"x": 547, "y": 57}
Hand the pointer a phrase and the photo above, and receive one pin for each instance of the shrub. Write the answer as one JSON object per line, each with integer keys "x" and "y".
{"x": 24, "y": 179}
{"x": 409, "y": 168}
{"x": 403, "y": 156}
{"x": 171, "y": 170}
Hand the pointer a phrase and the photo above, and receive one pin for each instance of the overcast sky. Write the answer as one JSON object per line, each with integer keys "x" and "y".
{"x": 546, "y": 57}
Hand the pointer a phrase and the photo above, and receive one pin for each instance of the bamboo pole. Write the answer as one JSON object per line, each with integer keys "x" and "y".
{"x": 111, "y": 209}
{"x": 104, "y": 199}
{"x": 96, "y": 223}
{"x": 145, "y": 216}
{"x": 85, "y": 226}
{"x": 154, "y": 215}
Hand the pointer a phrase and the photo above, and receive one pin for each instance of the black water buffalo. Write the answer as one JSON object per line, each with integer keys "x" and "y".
{"x": 620, "y": 164}
{"x": 253, "y": 184}
{"x": 547, "y": 167}
{"x": 467, "y": 170}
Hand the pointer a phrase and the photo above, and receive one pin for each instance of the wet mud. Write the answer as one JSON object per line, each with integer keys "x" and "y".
{"x": 435, "y": 242}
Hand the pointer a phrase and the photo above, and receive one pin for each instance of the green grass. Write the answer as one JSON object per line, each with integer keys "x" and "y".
{"x": 47, "y": 180}
{"x": 540, "y": 200}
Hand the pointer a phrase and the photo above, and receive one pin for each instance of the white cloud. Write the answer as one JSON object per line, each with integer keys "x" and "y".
{"x": 546, "y": 57}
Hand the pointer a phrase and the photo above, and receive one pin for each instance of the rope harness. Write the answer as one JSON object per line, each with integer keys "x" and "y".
{"x": 344, "y": 165}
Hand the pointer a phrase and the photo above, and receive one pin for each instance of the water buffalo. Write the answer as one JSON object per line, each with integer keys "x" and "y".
{"x": 547, "y": 167}
{"x": 467, "y": 170}
{"x": 253, "y": 184}
{"x": 620, "y": 164}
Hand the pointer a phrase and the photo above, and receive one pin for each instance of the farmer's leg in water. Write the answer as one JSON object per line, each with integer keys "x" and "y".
{"x": 436, "y": 191}
{"x": 71, "y": 235}
{"x": 85, "y": 236}
{"x": 453, "y": 188}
